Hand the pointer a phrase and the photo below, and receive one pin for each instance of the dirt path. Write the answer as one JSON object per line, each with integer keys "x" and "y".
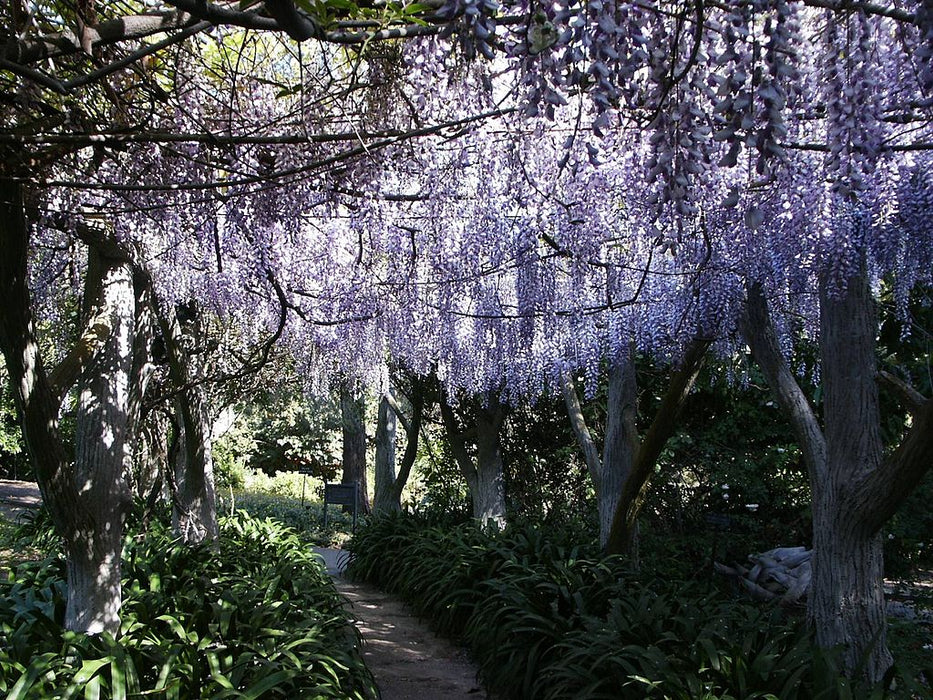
{"x": 16, "y": 497}
{"x": 408, "y": 660}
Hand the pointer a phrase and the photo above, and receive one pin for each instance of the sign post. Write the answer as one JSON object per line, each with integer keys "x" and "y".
{"x": 304, "y": 471}
{"x": 342, "y": 495}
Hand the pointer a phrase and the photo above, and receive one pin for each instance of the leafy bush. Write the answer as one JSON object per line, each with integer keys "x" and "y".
{"x": 258, "y": 618}
{"x": 545, "y": 619}
{"x": 306, "y": 518}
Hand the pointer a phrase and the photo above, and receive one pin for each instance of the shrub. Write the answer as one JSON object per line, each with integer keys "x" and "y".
{"x": 305, "y": 517}
{"x": 258, "y": 618}
{"x": 546, "y": 619}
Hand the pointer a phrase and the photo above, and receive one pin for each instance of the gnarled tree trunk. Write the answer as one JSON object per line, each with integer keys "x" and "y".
{"x": 194, "y": 512}
{"x": 102, "y": 455}
{"x": 485, "y": 475}
{"x": 855, "y": 489}
{"x": 86, "y": 500}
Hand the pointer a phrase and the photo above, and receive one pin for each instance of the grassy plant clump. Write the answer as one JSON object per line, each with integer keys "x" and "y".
{"x": 546, "y": 620}
{"x": 256, "y": 618}
{"x": 304, "y": 516}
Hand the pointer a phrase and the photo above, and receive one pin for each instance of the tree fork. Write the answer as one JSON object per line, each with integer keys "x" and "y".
{"x": 662, "y": 428}
{"x": 36, "y": 401}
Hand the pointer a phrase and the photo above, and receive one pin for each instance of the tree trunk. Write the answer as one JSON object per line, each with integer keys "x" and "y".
{"x": 609, "y": 472}
{"x": 194, "y": 512}
{"x": 194, "y": 501}
{"x": 854, "y": 488}
{"x": 485, "y": 476}
{"x": 35, "y": 397}
{"x": 352, "y": 412}
{"x": 388, "y": 495}
{"x": 635, "y": 487}
{"x": 143, "y": 471}
{"x": 846, "y": 597}
{"x": 151, "y": 457}
{"x": 621, "y": 441}
{"x": 385, "y": 499}
{"x": 102, "y": 454}
{"x": 488, "y": 488}
{"x": 90, "y": 519}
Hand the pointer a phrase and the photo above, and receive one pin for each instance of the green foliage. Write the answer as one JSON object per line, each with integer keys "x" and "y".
{"x": 305, "y": 517}
{"x": 36, "y": 531}
{"x": 546, "y": 619}
{"x": 438, "y": 488}
{"x": 258, "y": 618}
{"x": 292, "y": 432}
{"x": 734, "y": 455}
{"x": 908, "y": 543}
{"x": 906, "y": 352}
{"x": 545, "y": 474}
{"x": 13, "y": 461}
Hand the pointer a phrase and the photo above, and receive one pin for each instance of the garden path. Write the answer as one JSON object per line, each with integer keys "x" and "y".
{"x": 408, "y": 660}
{"x": 16, "y": 497}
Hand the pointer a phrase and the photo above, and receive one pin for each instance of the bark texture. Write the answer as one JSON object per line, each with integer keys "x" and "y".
{"x": 144, "y": 470}
{"x": 352, "y": 413}
{"x": 611, "y": 469}
{"x": 86, "y": 499}
{"x": 484, "y": 473}
{"x": 102, "y": 455}
{"x": 855, "y": 489}
{"x": 194, "y": 501}
{"x": 389, "y": 484}
{"x": 846, "y": 598}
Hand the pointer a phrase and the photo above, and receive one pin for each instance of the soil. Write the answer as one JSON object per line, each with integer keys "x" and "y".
{"x": 18, "y": 497}
{"x": 408, "y": 661}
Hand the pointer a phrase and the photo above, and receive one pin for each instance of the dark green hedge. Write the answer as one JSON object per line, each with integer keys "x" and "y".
{"x": 543, "y": 619}
{"x": 257, "y": 618}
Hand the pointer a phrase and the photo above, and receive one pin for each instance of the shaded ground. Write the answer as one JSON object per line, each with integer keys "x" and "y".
{"x": 17, "y": 497}
{"x": 408, "y": 660}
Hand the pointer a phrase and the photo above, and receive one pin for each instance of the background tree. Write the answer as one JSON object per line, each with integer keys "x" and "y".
{"x": 475, "y": 438}
{"x": 390, "y": 483}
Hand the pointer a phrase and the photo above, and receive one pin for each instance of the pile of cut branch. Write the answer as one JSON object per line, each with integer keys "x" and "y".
{"x": 781, "y": 574}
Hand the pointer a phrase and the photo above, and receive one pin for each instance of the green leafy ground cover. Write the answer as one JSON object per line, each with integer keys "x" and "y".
{"x": 546, "y": 619}
{"x": 256, "y": 618}
{"x": 302, "y": 515}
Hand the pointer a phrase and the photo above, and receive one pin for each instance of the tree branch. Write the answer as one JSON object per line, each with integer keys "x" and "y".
{"x": 457, "y": 442}
{"x": 95, "y": 335}
{"x": 24, "y": 52}
{"x": 411, "y": 435}
{"x": 758, "y": 330}
{"x": 662, "y": 428}
{"x": 591, "y": 453}
{"x": 912, "y": 399}
{"x": 397, "y": 410}
{"x": 878, "y": 494}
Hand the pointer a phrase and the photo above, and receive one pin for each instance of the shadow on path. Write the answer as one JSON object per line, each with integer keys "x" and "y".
{"x": 408, "y": 660}
{"x": 18, "y": 497}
